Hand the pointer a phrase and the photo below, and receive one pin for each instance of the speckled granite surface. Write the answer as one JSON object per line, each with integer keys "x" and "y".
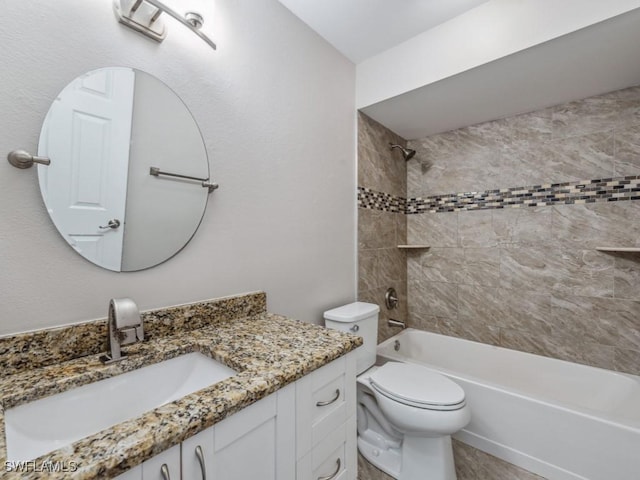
{"x": 52, "y": 346}
{"x": 269, "y": 351}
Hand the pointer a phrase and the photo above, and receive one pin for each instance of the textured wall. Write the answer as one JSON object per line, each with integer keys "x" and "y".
{"x": 529, "y": 278}
{"x": 380, "y": 263}
{"x": 275, "y": 104}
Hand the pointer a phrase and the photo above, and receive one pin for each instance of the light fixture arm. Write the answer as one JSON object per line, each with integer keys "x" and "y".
{"x": 172, "y": 13}
{"x": 132, "y": 14}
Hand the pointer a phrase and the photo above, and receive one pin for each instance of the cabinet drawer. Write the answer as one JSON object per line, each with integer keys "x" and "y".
{"x": 332, "y": 458}
{"x": 326, "y": 460}
{"x": 325, "y": 399}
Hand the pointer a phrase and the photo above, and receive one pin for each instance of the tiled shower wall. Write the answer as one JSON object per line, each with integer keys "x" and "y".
{"x": 380, "y": 263}
{"x": 527, "y": 278}
{"x": 530, "y": 278}
{"x": 382, "y": 226}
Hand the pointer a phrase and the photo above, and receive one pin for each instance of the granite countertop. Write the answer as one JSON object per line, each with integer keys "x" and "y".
{"x": 269, "y": 351}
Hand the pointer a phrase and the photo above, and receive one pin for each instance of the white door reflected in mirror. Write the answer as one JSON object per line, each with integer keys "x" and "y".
{"x": 103, "y": 133}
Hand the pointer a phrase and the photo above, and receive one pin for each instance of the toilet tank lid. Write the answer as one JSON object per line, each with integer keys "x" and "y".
{"x": 352, "y": 313}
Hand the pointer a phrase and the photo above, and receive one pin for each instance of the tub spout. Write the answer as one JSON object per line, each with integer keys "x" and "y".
{"x": 396, "y": 323}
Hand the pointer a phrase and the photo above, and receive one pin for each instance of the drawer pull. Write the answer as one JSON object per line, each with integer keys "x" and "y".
{"x": 164, "y": 470}
{"x": 329, "y": 402}
{"x": 200, "y": 456}
{"x": 334, "y": 474}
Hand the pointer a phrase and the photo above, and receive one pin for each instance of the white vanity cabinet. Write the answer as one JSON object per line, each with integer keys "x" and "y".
{"x": 326, "y": 422}
{"x": 256, "y": 443}
{"x": 304, "y": 431}
{"x": 164, "y": 466}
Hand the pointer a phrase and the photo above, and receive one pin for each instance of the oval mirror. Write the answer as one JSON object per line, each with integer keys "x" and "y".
{"x": 105, "y": 133}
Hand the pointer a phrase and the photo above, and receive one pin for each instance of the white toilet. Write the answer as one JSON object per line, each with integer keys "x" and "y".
{"x": 406, "y": 412}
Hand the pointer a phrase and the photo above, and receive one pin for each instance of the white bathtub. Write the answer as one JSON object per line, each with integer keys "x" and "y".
{"x": 558, "y": 419}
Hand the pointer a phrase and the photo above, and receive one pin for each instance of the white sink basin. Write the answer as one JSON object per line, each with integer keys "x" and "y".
{"x": 44, "y": 425}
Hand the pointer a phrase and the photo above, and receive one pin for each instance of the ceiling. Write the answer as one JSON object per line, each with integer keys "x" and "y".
{"x": 590, "y": 61}
{"x": 360, "y": 29}
{"x": 594, "y": 60}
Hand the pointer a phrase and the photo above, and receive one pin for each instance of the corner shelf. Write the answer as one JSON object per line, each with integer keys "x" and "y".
{"x": 418, "y": 247}
{"x": 619, "y": 249}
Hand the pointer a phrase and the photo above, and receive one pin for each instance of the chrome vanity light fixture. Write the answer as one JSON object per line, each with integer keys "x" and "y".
{"x": 144, "y": 17}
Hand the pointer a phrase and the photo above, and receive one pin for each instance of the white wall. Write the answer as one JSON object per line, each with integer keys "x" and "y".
{"x": 489, "y": 32}
{"x": 275, "y": 104}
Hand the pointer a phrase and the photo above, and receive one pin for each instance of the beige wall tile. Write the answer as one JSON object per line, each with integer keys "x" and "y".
{"x": 561, "y": 347}
{"x": 424, "y": 322}
{"x": 382, "y": 171}
{"x": 576, "y": 158}
{"x": 629, "y": 106}
{"x": 627, "y": 275}
{"x": 627, "y": 361}
{"x": 532, "y": 276}
{"x": 375, "y": 136}
{"x": 393, "y": 266}
{"x": 597, "y": 224}
{"x": 381, "y": 263}
{"x": 590, "y": 115}
{"x": 435, "y": 299}
{"x": 376, "y": 229}
{"x": 442, "y": 265}
{"x": 523, "y": 226}
{"x": 368, "y": 270}
{"x": 559, "y": 270}
{"x": 526, "y": 311}
{"x": 433, "y": 229}
{"x": 475, "y": 229}
{"x": 469, "y": 328}
{"x": 627, "y": 150}
{"x": 480, "y": 303}
{"x": 481, "y": 266}
{"x": 531, "y": 128}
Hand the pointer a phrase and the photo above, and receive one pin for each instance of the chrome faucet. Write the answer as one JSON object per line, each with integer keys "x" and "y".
{"x": 396, "y": 323}
{"x": 125, "y": 327}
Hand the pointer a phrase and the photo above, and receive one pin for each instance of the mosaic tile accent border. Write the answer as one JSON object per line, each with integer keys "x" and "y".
{"x": 580, "y": 192}
{"x": 385, "y": 202}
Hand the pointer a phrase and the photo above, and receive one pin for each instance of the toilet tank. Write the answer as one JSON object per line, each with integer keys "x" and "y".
{"x": 360, "y": 319}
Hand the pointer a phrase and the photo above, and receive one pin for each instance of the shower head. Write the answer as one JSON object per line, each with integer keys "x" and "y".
{"x": 407, "y": 153}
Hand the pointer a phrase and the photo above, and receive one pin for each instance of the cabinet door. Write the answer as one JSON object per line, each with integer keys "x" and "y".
{"x": 197, "y": 456}
{"x": 258, "y": 442}
{"x": 165, "y": 466}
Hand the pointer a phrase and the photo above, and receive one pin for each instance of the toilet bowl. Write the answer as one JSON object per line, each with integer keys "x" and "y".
{"x": 406, "y": 412}
{"x": 418, "y": 400}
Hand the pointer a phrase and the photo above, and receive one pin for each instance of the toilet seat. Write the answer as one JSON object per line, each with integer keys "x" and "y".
{"x": 417, "y": 386}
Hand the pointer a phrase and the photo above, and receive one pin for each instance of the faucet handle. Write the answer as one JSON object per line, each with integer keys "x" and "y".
{"x": 124, "y": 313}
{"x": 127, "y": 336}
{"x": 125, "y": 316}
{"x": 140, "y": 332}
